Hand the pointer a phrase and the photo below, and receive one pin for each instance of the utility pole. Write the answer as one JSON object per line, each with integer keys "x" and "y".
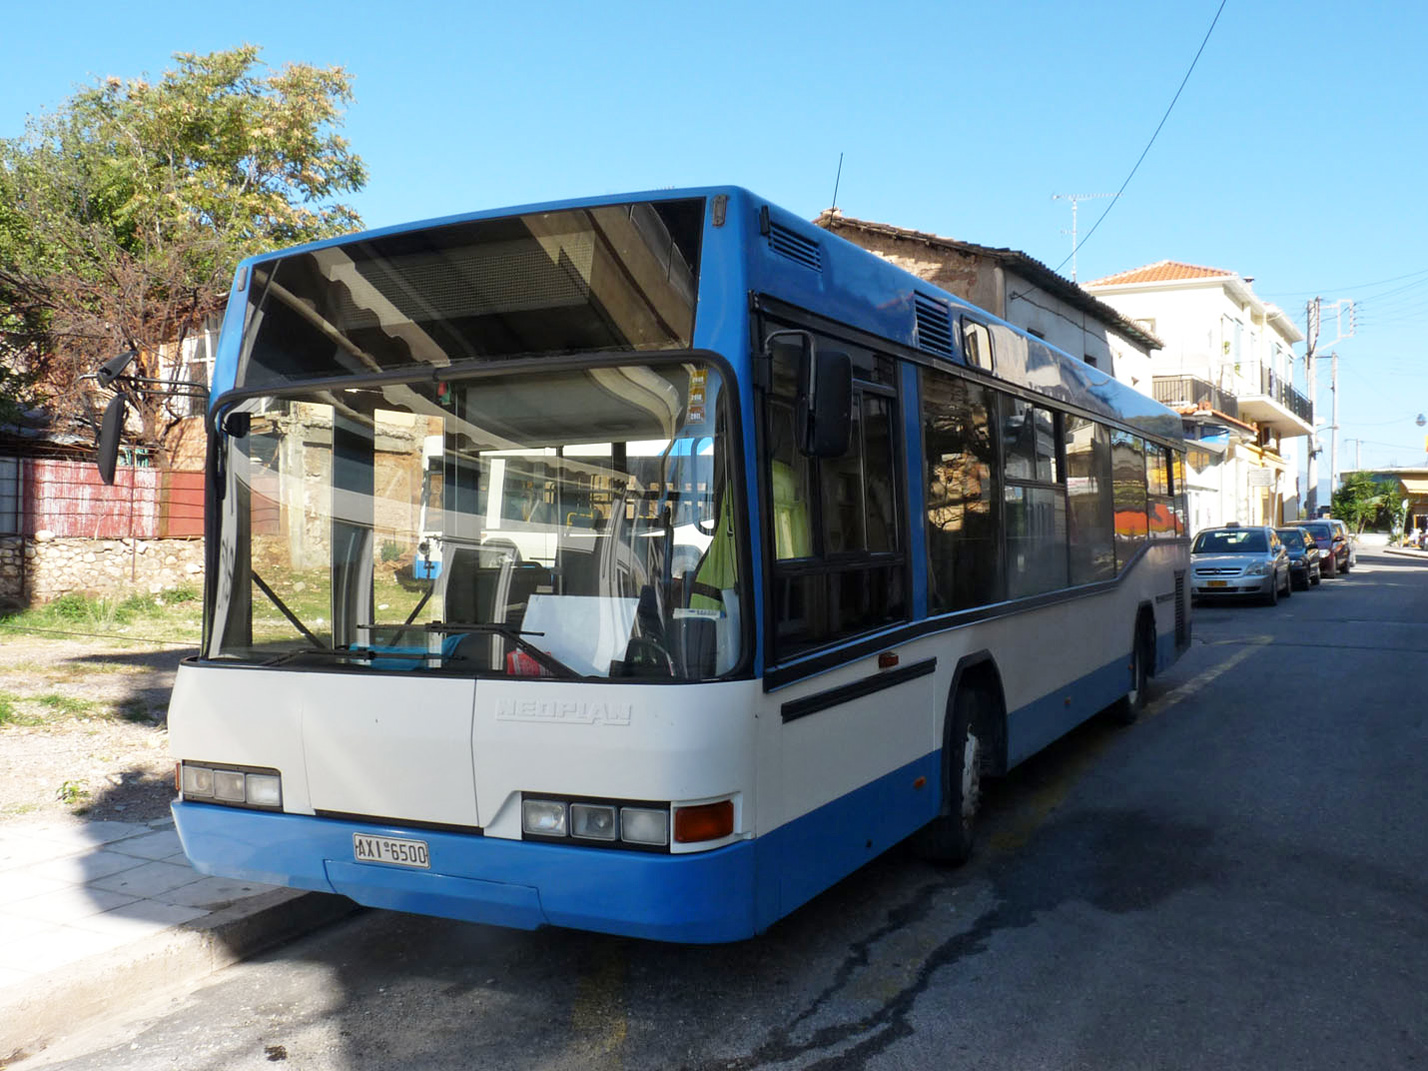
{"x": 1334, "y": 425}
{"x": 1075, "y": 199}
{"x": 1314, "y": 315}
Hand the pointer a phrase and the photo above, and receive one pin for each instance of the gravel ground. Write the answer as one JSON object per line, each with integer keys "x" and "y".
{"x": 83, "y": 729}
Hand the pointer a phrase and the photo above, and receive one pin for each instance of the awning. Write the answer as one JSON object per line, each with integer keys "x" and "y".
{"x": 1414, "y": 487}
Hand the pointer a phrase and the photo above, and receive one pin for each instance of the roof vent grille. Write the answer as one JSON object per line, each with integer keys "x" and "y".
{"x": 934, "y": 325}
{"x": 795, "y": 247}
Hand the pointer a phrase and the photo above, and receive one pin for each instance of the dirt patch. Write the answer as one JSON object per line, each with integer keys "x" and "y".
{"x": 83, "y": 729}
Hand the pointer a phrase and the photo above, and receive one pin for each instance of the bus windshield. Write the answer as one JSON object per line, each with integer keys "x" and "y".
{"x": 571, "y": 524}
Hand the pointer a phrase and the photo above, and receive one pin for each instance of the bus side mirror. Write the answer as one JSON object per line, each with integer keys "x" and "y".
{"x": 109, "y": 431}
{"x": 827, "y": 403}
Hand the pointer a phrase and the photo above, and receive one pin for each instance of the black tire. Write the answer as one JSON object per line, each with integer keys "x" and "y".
{"x": 1126, "y": 710}
{"x": 1272, "y": 599}
{"x": 1300, "y": 585}
{"x": 1347, "y": 566}
{"x": 1318, "y": 577}
{"x": 1288, "y": 583}
{"x": 950, "y": 837}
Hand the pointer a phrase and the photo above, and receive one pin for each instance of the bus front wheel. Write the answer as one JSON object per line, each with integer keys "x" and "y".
{"x": 949, "y": 838}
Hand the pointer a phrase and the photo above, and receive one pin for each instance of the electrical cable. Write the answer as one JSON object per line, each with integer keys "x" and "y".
{"x": 6, "y": 627}
{"x": 1163, "y": 118}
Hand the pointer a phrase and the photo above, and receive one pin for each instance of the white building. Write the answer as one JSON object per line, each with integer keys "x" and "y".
{"x": 1227, "y": 364}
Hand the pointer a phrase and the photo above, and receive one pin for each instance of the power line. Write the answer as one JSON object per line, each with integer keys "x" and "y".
{"x": 1356, "y": 286}
{"x": 1163, "y": 118}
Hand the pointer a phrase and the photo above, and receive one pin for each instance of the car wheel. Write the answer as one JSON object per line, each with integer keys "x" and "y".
{"x": 1301, "y": 583}
{"x": 1272, "y": 598}
{"x": 1288, "y": 583}
{"x": 1317, "y": 576}
{"x": 1346, "y": 566}
{"x": 1333, "y": 568}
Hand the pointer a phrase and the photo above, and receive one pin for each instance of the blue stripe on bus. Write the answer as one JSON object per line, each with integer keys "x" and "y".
{"x": 801, "y": 858}
{"x": 700, "y": 897}
{"x": 1032, "y": 727}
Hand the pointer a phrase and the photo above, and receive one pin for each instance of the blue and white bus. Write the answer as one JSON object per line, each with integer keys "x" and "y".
{"x": 756, "y": 554}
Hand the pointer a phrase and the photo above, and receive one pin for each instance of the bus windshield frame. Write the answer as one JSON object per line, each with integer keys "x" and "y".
{"x": 569, "y": 518}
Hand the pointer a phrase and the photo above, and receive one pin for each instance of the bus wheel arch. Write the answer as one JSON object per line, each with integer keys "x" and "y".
{"x": 973, "y": 745}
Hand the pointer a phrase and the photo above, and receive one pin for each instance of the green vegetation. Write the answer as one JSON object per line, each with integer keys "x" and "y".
{"x": 71, "y": 792}
{"x": 170, "y": 616}
{"x": 124, "y": 212}
{"x": 13, "y": 711}
{"x": 66, "y": 704}
{"x": 1363, "y": 502}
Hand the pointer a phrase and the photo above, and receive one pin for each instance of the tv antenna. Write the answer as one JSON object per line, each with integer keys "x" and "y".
{"x": 1075, "y": 199}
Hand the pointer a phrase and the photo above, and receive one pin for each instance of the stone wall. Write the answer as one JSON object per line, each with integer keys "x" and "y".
{"x": 36, "y": 570}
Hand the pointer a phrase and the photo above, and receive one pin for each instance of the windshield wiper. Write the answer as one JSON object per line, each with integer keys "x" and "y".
{"x": 292, "y": 617}
{"x": 516, "y": 636}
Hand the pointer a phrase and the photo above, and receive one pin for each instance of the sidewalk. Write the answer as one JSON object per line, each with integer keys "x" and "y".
{"x": 90, "y": 911}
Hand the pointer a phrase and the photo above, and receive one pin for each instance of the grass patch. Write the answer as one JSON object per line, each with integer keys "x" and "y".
{"x": 13, "y": 712}
{"x": 65, "y": 704}
{"x": 168, "y": 616}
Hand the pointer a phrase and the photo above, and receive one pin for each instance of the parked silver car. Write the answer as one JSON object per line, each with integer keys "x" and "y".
{"x": 1241, "y": 561}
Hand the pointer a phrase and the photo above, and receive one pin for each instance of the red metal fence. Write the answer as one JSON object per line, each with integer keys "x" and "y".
{"x": 68, "y": 499}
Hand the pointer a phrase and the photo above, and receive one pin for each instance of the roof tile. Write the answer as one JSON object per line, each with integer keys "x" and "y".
{"x": 1163, "y": 271}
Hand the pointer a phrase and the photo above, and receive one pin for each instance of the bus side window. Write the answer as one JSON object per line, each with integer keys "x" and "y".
{"x": 977, "y": 345}
{"x": 963, "y": 477}
{"x": 788, "y": 479}
{"x": 1091, "y": 513}
{"x": 834, "y": 521}
{"x": 1128, "y": 479}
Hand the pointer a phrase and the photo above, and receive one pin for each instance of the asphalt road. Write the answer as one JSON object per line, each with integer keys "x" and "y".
{"x": 1238, "y": 881}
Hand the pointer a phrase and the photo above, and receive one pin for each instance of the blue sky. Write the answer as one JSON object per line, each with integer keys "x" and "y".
{"x": 1295, "y": 155}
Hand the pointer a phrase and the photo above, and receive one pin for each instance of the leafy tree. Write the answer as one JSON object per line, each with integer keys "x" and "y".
{"x": 124, "y": 213}
{"x": 1360, "y": 500}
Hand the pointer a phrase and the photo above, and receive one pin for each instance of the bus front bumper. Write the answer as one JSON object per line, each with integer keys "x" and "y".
{"x": 701, "y": 897}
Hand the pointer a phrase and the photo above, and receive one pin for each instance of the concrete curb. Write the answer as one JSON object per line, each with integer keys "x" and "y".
{"x": 1405, "y": 552}
{"x": 65, "y": 1000}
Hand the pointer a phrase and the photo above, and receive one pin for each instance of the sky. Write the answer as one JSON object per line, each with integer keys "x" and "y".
{"x": 1295, "y": 154}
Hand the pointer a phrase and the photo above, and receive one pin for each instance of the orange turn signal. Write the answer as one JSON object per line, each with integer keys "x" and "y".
{"x": 707, "y": 821}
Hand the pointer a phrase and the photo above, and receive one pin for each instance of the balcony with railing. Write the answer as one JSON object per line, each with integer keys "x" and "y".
{"x": 1266, "y": 398}
{"x": 1189, "y": 392}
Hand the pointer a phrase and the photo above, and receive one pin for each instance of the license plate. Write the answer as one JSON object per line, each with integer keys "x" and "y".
{"x": 369, "y": 849}
{"x": 1218, "y": 584}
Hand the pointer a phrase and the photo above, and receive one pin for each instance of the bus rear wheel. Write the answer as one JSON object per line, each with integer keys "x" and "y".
{"x": 1127, "y": 709}
{"x": 950, "y": 837}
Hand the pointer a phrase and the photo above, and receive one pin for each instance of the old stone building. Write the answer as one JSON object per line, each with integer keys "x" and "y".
{"x": 1017, "y": 288}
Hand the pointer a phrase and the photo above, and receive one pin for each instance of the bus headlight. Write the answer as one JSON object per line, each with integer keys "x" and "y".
{"x": 544, "y": 818}
{"x": 636, "y": 825}
{"x": 264, "y": 790}
{"x": 196, "y": 780}
{"x": 642, "y": 825}
{"x": 239, "y": 788}
{"x": 592, "y": 821}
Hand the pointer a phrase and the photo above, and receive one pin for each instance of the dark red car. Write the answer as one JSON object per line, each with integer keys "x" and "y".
{"x": 1333, "y": 544}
